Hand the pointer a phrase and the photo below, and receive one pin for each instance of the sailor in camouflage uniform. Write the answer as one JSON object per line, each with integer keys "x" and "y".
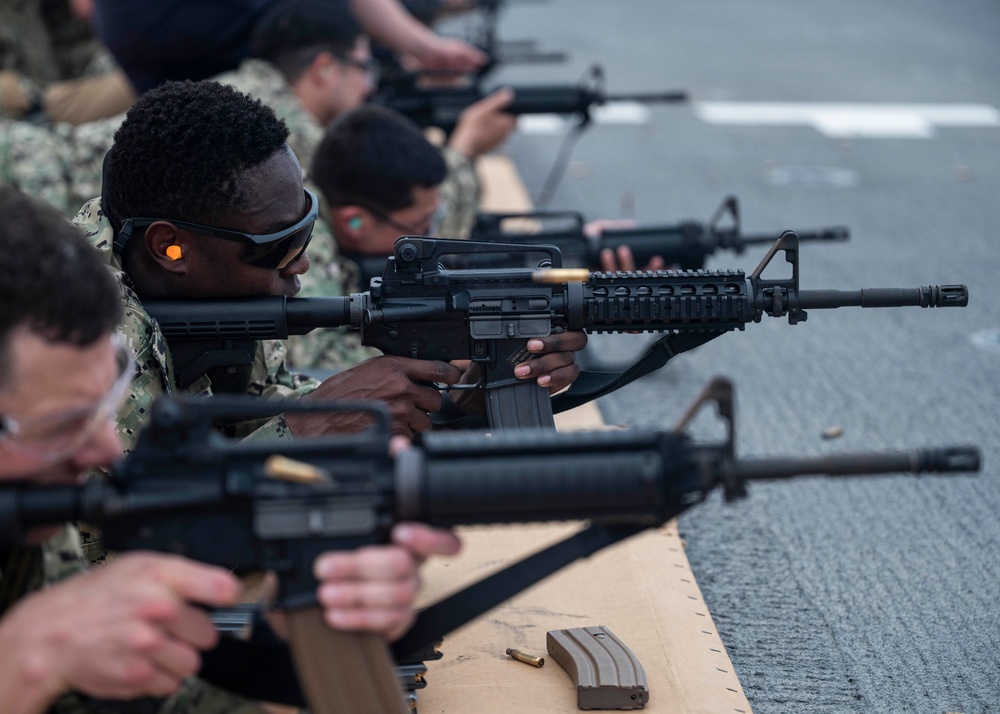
{"x": 237, "y": 171}
{"x": 315, "y": 70}
{"x": 60, "y": 376}
{"x": 311, "y": 63}
{"x": 66, "y": 168}
{"x": 65, "y": 632}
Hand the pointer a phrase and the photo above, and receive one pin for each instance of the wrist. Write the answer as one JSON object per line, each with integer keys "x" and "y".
{"x": 462, "y": 144}
{"x": 422, "y": 42}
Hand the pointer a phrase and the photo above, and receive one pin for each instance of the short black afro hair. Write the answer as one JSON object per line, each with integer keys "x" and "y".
{"x": 182, "y": 150}
{"x": 291, "y": 33}
{"x": 375, "y": 156}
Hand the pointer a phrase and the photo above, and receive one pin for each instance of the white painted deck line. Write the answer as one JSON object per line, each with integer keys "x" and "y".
{"x": 611, "y": 113}
{"x": 852, "y": 120}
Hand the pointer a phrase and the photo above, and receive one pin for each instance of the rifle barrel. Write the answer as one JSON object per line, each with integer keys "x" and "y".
{"x": 923, "y": 296}
{"x": 954, "y": 459}
{"x": 648, "y": 97}
{"x": 831, "y": 233}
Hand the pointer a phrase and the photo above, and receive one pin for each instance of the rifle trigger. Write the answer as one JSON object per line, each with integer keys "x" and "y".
{"x": 442, "y": 387}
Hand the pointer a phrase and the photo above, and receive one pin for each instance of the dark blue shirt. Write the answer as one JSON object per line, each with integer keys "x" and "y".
{"x": 159, "y": 40}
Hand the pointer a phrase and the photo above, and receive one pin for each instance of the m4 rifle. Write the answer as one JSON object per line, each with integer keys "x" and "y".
{"x": 441, "y": 106}
{"x": 422, "y": 310}
{"x": 685, "y": 245}
{"x": 278, "y": 505}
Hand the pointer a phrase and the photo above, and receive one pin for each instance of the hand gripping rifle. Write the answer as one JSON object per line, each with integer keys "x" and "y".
{"x": 482, "y": 34}
{"x": 505, "y": 51}
{"x": 686, "y": 244}
{"x": 420, "y": 309}
{"x": 277, "y": 506}
{"x": 441, "y": 106}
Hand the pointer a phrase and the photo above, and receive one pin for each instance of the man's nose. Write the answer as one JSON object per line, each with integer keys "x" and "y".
{"x": 297, "y": 267}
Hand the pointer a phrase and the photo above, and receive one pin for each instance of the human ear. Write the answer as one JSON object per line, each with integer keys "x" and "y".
{"x": 167, "y": 246}
{"x": 322, "y": 67}
{"x": 349, "y": 228}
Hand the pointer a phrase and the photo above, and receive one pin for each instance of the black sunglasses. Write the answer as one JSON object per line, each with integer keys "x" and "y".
{"x": 267, "y": 250}
{"x": 390, "y": 221}
{"x": 370, "y": 67}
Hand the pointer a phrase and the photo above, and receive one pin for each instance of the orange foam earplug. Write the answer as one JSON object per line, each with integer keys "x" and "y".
{"x": 174, "y": 252}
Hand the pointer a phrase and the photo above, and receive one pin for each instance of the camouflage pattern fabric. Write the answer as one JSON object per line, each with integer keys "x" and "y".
{"x": 73, "y": 43}
{"x": 329, "y": 275}
{"x": 60, "y": 165}
{"x": 24, "y": 569}
{"x": 35, "y": 160}
{"x": 460, "y": 195}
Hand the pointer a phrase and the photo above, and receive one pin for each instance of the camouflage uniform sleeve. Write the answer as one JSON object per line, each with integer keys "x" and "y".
{"x": 88, "y": 144}
{"x": 35, "y": 160}
{"x": 27, "y": 568}
{"x": 61, "y": 165}
{"x": 460, "y": 195}
{"x": 329, "y": 275}
{"x": 62, "y": 556}
{"x": 277, "y": 381}
{"x": 153, "y": 370}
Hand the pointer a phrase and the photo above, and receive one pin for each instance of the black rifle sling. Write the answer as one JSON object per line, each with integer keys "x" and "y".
{"x": 434, "y": 622}
{"x": 591, "y": 384}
